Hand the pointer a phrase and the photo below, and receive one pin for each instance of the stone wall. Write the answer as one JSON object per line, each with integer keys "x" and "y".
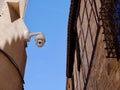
{"x": 12, "y": 42}
{"x": 92, "y": 70}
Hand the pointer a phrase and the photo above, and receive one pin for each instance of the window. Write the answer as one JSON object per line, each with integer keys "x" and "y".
{"x": 110, "y": 16}
{"x": 116, "y": 18}
{"x": 14, "y": 10}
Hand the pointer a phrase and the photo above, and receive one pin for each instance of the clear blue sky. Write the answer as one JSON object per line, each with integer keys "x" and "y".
{"x": 46, "y": 66}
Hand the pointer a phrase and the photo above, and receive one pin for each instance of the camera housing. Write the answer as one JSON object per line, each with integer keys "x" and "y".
{"x": 40, "y": 39}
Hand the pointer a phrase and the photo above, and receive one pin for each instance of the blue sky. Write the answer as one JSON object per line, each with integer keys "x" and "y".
{"x": 46, "y": 66}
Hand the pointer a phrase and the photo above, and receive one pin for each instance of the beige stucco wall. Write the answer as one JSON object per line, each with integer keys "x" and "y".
{"x": 12, "y": 42}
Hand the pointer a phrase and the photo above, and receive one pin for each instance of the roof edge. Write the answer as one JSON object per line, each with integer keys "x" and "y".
{"x": 71, "y": 37}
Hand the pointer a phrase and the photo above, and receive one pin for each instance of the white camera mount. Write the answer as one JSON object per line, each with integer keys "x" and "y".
{"x": 40, "y": 39}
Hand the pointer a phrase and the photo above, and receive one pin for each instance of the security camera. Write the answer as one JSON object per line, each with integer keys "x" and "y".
{"x": 40, "y": 39}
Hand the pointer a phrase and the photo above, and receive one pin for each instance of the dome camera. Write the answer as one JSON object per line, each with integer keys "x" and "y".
{"x": 40, "y": 39}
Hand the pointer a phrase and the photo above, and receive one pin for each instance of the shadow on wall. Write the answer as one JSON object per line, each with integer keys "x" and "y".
{"x": 10, "y": 78}
{"x": 87, "y": 39}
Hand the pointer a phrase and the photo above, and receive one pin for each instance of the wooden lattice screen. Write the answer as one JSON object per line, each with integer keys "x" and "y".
{"x": 110, "y": 16}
